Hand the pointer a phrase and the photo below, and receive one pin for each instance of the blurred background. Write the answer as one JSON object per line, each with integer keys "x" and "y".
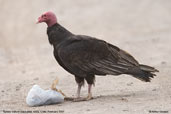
{"x": 143, "y": 28}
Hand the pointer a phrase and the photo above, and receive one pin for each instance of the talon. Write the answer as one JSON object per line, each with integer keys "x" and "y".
{"x": 89, "y": 97}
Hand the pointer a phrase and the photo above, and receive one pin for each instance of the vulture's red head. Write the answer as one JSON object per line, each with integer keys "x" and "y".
{"x": 48, "y": 17}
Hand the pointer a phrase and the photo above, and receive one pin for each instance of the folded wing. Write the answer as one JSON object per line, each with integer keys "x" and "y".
{"x": 84, "y": 55}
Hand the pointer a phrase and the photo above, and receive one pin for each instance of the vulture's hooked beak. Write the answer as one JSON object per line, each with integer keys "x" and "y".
{"x": 38, "y": 20}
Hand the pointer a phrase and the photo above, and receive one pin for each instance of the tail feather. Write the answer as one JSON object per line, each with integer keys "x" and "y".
{"x": 144, "y": 73}
{"x": 148, "y": 68}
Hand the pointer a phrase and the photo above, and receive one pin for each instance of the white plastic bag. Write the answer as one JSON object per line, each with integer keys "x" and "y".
{"x": 37, "y": 96}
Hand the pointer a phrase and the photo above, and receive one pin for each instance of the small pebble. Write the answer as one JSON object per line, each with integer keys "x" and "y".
{"x": 51, "y": 72}
{"x": 154, "y": 89}
{"x": 8, "y": 89}
{"x": 163, "y": 62}
{"x": 17, "y": 89}
{"x": 129, "y": 84}
{"x": 125, "y": 110}
{"x": 88, "y": 110}
{"x": 124, "y": 99}
{"x": 23, "y": 71}
{"x": 36, "y": 79}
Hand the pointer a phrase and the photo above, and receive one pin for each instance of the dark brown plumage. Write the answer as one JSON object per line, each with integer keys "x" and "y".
{"x": 85, "y": 57}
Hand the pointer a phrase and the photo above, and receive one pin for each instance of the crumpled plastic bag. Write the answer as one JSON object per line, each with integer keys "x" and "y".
{"x": 38, "y": 96}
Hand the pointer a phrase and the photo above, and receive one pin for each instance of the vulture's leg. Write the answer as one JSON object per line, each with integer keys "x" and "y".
{"x": 89, "y": 92}
{"x": 90, "y": 80}
{"x": 80, "y": 82}
{"x": 79, "y": 90}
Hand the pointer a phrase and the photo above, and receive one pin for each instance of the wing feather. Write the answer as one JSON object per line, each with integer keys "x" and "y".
{"x": 92, "y": 56}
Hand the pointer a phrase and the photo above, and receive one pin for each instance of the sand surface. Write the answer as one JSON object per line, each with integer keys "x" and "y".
{"x": 141, "y": 27}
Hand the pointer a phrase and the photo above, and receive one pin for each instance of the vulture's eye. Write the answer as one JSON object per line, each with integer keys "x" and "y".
{"x": 43, "y": 16}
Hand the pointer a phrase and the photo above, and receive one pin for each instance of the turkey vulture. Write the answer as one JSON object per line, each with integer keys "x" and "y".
{"x": 85, "y": 56}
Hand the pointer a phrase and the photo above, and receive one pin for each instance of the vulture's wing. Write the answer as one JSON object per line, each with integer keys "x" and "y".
{"x": 85, "y": 55}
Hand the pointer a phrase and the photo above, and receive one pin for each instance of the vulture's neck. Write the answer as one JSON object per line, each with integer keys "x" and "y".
{"x": 57, "y": 34}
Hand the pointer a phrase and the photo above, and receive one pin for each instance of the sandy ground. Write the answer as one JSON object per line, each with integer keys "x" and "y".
{"x": 142, "y": 27}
